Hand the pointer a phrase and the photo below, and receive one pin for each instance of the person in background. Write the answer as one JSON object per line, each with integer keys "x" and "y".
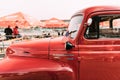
{"x": 58, "y": 33}
{"x": 8, "y": 32}
{"x": 62, "y": 33}
{"x": 16, "y": 32}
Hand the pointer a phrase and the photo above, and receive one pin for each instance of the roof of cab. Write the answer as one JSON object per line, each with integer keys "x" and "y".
{"x": 97, "y": 8}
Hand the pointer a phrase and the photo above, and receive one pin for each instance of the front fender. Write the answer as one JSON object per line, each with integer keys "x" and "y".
{"x": 19, "y": 68}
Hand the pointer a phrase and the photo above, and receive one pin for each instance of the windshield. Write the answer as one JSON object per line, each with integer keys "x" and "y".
{"x": 74, "y": 25}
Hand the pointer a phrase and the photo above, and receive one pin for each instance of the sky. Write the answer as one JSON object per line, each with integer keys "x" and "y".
{"x": 46, "y": 9}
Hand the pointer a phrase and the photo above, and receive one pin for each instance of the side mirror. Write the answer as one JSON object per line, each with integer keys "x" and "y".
{"x": 69, "y": 45}
{"x": 89, "y": 21}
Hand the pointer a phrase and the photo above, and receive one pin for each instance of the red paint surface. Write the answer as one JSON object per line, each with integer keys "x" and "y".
{"x": 47, "y": 59}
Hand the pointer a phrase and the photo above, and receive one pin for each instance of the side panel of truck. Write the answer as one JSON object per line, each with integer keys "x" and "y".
{"x": 96, "y": 64}
{"x": 65, "y": 57}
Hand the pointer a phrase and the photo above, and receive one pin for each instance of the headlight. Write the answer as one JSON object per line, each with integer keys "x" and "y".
{"x": 9, "y": 51}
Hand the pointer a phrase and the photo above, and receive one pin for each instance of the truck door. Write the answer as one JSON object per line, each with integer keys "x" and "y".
{"x": 99, "y": 49}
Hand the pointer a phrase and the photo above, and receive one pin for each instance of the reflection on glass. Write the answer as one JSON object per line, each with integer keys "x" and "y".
{"x": 74, "y": 25}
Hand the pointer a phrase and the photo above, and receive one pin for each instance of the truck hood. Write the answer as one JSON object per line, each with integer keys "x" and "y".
{"x": 36, "y": 48}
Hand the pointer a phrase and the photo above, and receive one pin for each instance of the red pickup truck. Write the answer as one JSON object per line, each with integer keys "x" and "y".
{"x": 90, "y": 50}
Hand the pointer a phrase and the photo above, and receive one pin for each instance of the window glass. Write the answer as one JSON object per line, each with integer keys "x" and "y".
{"x": 74, "y": 25}
{"x": 104, "y": 26}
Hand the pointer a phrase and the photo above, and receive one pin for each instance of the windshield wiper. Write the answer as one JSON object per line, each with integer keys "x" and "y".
{"x": 68, "y": 33}
{"x": 72, "y": 31}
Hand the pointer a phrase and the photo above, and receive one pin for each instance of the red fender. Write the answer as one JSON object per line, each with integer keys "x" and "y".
{"x": 23, "y": 68}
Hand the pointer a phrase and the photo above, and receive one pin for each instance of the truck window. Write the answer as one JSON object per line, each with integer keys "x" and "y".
{"x": 74, "y": 25}
{"x": 104, "y": 26}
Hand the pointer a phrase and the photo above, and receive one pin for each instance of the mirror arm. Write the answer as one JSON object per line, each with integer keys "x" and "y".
{"x": 69, "y": 46}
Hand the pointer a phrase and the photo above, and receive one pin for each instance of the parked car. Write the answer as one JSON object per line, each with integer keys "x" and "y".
{"x": 90, "y": 50}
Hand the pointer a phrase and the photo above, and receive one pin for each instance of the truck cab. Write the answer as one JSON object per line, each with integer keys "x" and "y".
{"x": 90, "y": 50}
